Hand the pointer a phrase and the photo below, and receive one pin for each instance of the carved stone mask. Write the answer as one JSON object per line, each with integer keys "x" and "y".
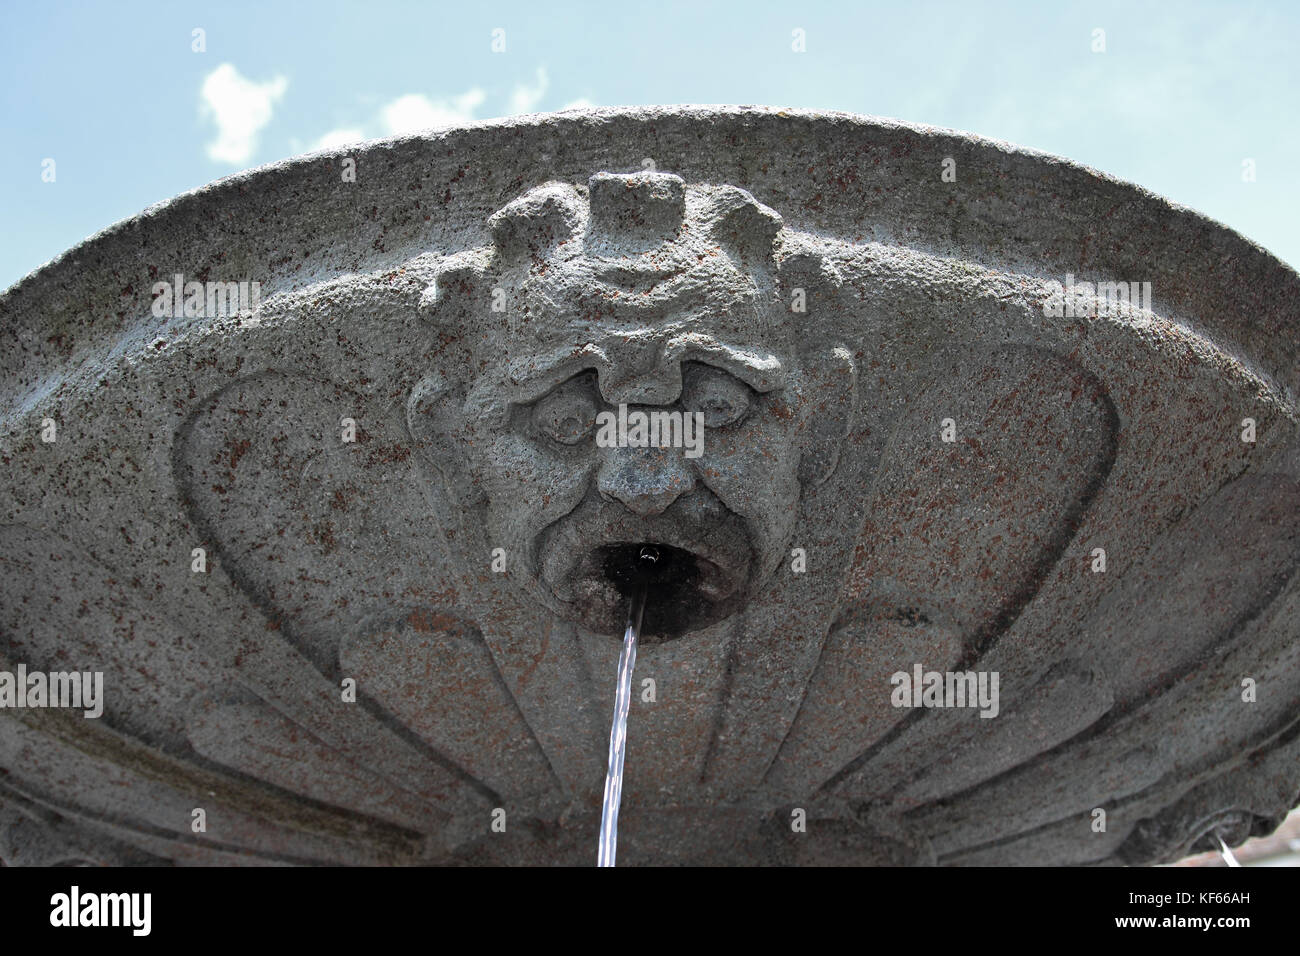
{"x": 636, "y": 295}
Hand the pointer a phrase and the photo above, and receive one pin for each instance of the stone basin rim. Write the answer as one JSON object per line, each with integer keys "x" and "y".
{"x": 218, "y": 187}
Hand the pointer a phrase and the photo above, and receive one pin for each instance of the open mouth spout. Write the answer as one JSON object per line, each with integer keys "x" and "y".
{"x": 686, "y": 591}
{"x": 590, "y": 561}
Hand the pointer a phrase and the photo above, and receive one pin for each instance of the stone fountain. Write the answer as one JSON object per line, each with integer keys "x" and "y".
{"x": 987, "y": 554}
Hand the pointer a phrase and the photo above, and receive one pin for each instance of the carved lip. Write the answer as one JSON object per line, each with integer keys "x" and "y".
{"x": 687, "y": 591}
{"x": 713, "y": 581}
{"x": 584, "y": 559}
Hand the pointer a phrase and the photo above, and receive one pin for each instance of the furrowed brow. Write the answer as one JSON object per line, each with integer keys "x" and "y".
{"x": 762, "y": 371}
{"x": 529, "y": 379}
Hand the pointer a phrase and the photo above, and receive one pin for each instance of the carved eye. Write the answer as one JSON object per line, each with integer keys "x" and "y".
{"x": 722, "y": 398}
{"x": 567, "y": 414}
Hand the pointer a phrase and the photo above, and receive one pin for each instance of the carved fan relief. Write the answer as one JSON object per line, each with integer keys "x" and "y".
{"x": 951, "y": 571}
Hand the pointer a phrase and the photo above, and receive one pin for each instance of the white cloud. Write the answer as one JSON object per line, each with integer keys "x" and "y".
{"x": 339, "y": 137}
{"x": 415, "y": 112}
{"x": 240, "y": 108}
{"x": 581, "y": 103}
{"x": 525, "y": 97}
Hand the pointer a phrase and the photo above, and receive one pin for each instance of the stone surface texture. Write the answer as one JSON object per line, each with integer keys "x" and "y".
{"x": 470, "y": 302}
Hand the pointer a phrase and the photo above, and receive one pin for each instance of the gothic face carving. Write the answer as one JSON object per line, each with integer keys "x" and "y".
{"x": 652, "y": 393}
{"x": 718, "y": 525}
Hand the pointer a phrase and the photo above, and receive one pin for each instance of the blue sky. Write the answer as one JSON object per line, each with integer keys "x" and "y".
{"x": 131, "y": 115}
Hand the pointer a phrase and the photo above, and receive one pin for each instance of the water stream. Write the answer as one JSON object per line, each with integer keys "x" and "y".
{"x": 618, "y": 732}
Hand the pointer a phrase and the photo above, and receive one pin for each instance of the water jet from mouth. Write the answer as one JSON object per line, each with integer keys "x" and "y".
{"x": 647, "y": 561}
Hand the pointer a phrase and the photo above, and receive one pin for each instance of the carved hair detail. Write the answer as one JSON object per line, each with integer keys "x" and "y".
{"x": 625, "y": 242}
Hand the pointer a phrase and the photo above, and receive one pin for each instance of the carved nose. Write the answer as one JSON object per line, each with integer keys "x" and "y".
{"x": 645, "y": 480}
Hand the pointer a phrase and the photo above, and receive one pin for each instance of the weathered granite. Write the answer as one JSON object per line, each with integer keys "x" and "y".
{"x": 469, "y": 301}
